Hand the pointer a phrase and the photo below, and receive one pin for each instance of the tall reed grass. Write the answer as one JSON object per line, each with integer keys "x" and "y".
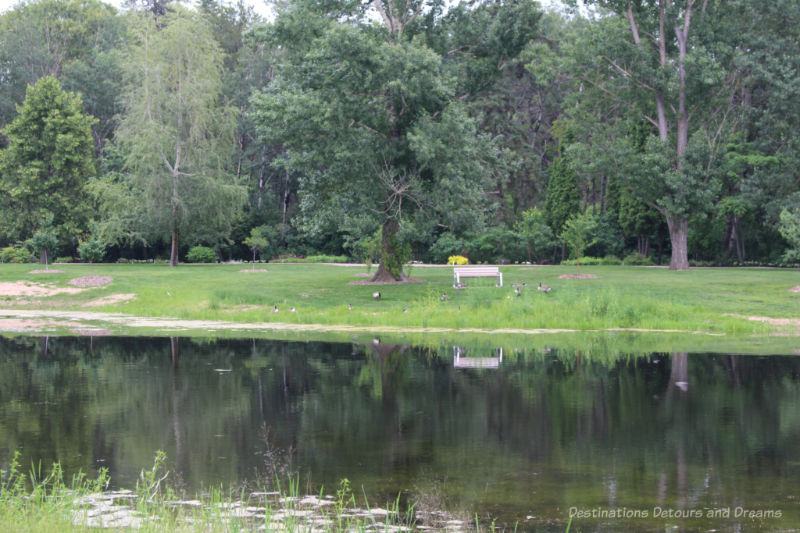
{"x": 46, "y": 502}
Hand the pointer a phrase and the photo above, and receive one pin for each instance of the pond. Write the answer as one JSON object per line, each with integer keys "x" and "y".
{"x": 521, "y": 437}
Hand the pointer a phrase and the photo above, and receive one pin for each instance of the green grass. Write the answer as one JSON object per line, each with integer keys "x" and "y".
{"x": 700, "y": 300}
{"x": 39, "y": 502}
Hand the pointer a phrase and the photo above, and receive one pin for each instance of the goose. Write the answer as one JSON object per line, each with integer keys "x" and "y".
{"x": 543, "y": 288}
{"x": 444, "y": 298}
{"x": 517, "y": 291}
{"x": 376, "y": 295}
{"x": 275, "y": 308}
{"x": 292, "y": 310}
{"x": 349, "y": 307}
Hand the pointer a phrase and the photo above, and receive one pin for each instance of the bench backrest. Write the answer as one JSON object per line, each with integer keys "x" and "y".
{"x": 485, "y": 271}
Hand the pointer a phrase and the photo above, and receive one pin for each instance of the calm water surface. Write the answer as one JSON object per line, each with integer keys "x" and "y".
{"x": 626, "y": 443}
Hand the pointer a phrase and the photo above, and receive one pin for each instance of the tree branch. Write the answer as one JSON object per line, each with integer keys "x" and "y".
{"x": 364, "y": 126}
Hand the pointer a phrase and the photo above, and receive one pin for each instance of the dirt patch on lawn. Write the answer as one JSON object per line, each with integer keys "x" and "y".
{"x": 110, "y": 300}
{"x": 244, "y": 308}
{"x": 368, "y": 282}
{"x": 47, "y": 317}
{"x": 246, "y": 270}
{"x": 768, "y": 320}
{"x": 795, "y": 289}
{"x": 577, "y": 276}
{"x": 46, "y": 272}
{"x": 20, "y": 324}
{"x": 775, "y": 321}
{"x": 91, "y": 332}
{"x": 90, "y": 281}
{"x": 30, "y": 289}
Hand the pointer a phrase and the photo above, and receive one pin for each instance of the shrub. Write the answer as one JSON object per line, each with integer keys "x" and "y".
{"x": 635, "y": 259}
{"x": 123, "y": 260}
{"x": 446, "y": 245}
{"x": 611, "y": 260}
{"x": 457, "y": 260}
{"x": 320, "y": 258}
{"x": 588, "y": 260}
{"x": 15, "y": 254}
{"x": 65, "y": 259}
{"x": 201, "y": 254}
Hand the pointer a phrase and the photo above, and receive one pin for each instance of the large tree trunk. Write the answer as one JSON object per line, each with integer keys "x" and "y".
{"x": 678, "y": 237}
{"x": 390, "y": 268}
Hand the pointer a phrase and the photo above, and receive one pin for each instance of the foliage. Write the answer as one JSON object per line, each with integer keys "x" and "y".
{"x": 44, "y": 169}
{"x": 457, "y": 260}
{"x": 495, "y": 244}
{"x": 607, "y": 236}
{"x": 258, "y": 240}
{"x": 365, "y": 248}
{"x": 789, "y": 228}
{"x": 91, "y": 250}
{"x": 446, "y": 245}
{"x": 563, "y": 195}
{"x": 635, "y": 259}
{"x": 15, "y": 254}
{"x": 585, "y": 261}
{"x": 176, "y": 135}
{"x": 577, "y": 233}
{"x": 535, "y": 233}
{"x": 389, "y": 138}
{"x": 449, "y": 120}
{"x": 320, "y": 258}
{"x": 201, "y": 254}
{"x": 45, "y": 239}
{"x": 64, "y": 259}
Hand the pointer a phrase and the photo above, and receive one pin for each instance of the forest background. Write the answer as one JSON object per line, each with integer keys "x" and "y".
{"x": 651, "y": 131}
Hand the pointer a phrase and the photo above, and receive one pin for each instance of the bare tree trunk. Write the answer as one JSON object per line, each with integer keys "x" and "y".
{"x": 678, "y": 237}
{"x": 173, "y": 253}
{"x": 736, "y": 238}
{"x": 643, "y": 245}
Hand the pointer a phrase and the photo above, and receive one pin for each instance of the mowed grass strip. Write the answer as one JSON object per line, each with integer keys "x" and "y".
{"x": 702, "y": 299}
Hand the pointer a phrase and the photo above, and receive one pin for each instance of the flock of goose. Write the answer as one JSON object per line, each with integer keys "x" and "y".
{"x": 443, "y": 298}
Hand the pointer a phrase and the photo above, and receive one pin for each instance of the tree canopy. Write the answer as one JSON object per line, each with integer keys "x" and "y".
{"x": 419, "y": 127}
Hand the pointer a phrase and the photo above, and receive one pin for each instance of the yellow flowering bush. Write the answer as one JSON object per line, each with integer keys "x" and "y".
{"x": 457, "y": 260}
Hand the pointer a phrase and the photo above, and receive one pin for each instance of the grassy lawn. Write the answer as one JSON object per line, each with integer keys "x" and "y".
{"x": 620, "y": 297}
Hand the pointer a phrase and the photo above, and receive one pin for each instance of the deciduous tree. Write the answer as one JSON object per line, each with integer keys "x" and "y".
{"x": 175, "y": 134}
{"x": 47, "y": 163}
{"x": 371, "y": 122}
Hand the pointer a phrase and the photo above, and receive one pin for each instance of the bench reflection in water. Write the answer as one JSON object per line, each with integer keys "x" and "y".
{"x": 461, "y": 361}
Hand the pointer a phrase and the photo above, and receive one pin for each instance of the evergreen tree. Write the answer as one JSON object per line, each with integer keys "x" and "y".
{"x": 563, "y": 197}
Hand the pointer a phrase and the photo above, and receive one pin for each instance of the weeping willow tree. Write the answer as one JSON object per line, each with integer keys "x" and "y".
{"x": 176, "y": 136}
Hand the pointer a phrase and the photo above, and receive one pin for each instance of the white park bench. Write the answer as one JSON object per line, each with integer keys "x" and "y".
{"x": 477, "y": 272}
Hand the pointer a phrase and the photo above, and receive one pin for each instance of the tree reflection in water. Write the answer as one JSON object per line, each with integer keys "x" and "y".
{"x": 534, "y": 436}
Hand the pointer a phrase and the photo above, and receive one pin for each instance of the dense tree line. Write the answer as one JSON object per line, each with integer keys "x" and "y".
{"x": 392, "y": 130}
